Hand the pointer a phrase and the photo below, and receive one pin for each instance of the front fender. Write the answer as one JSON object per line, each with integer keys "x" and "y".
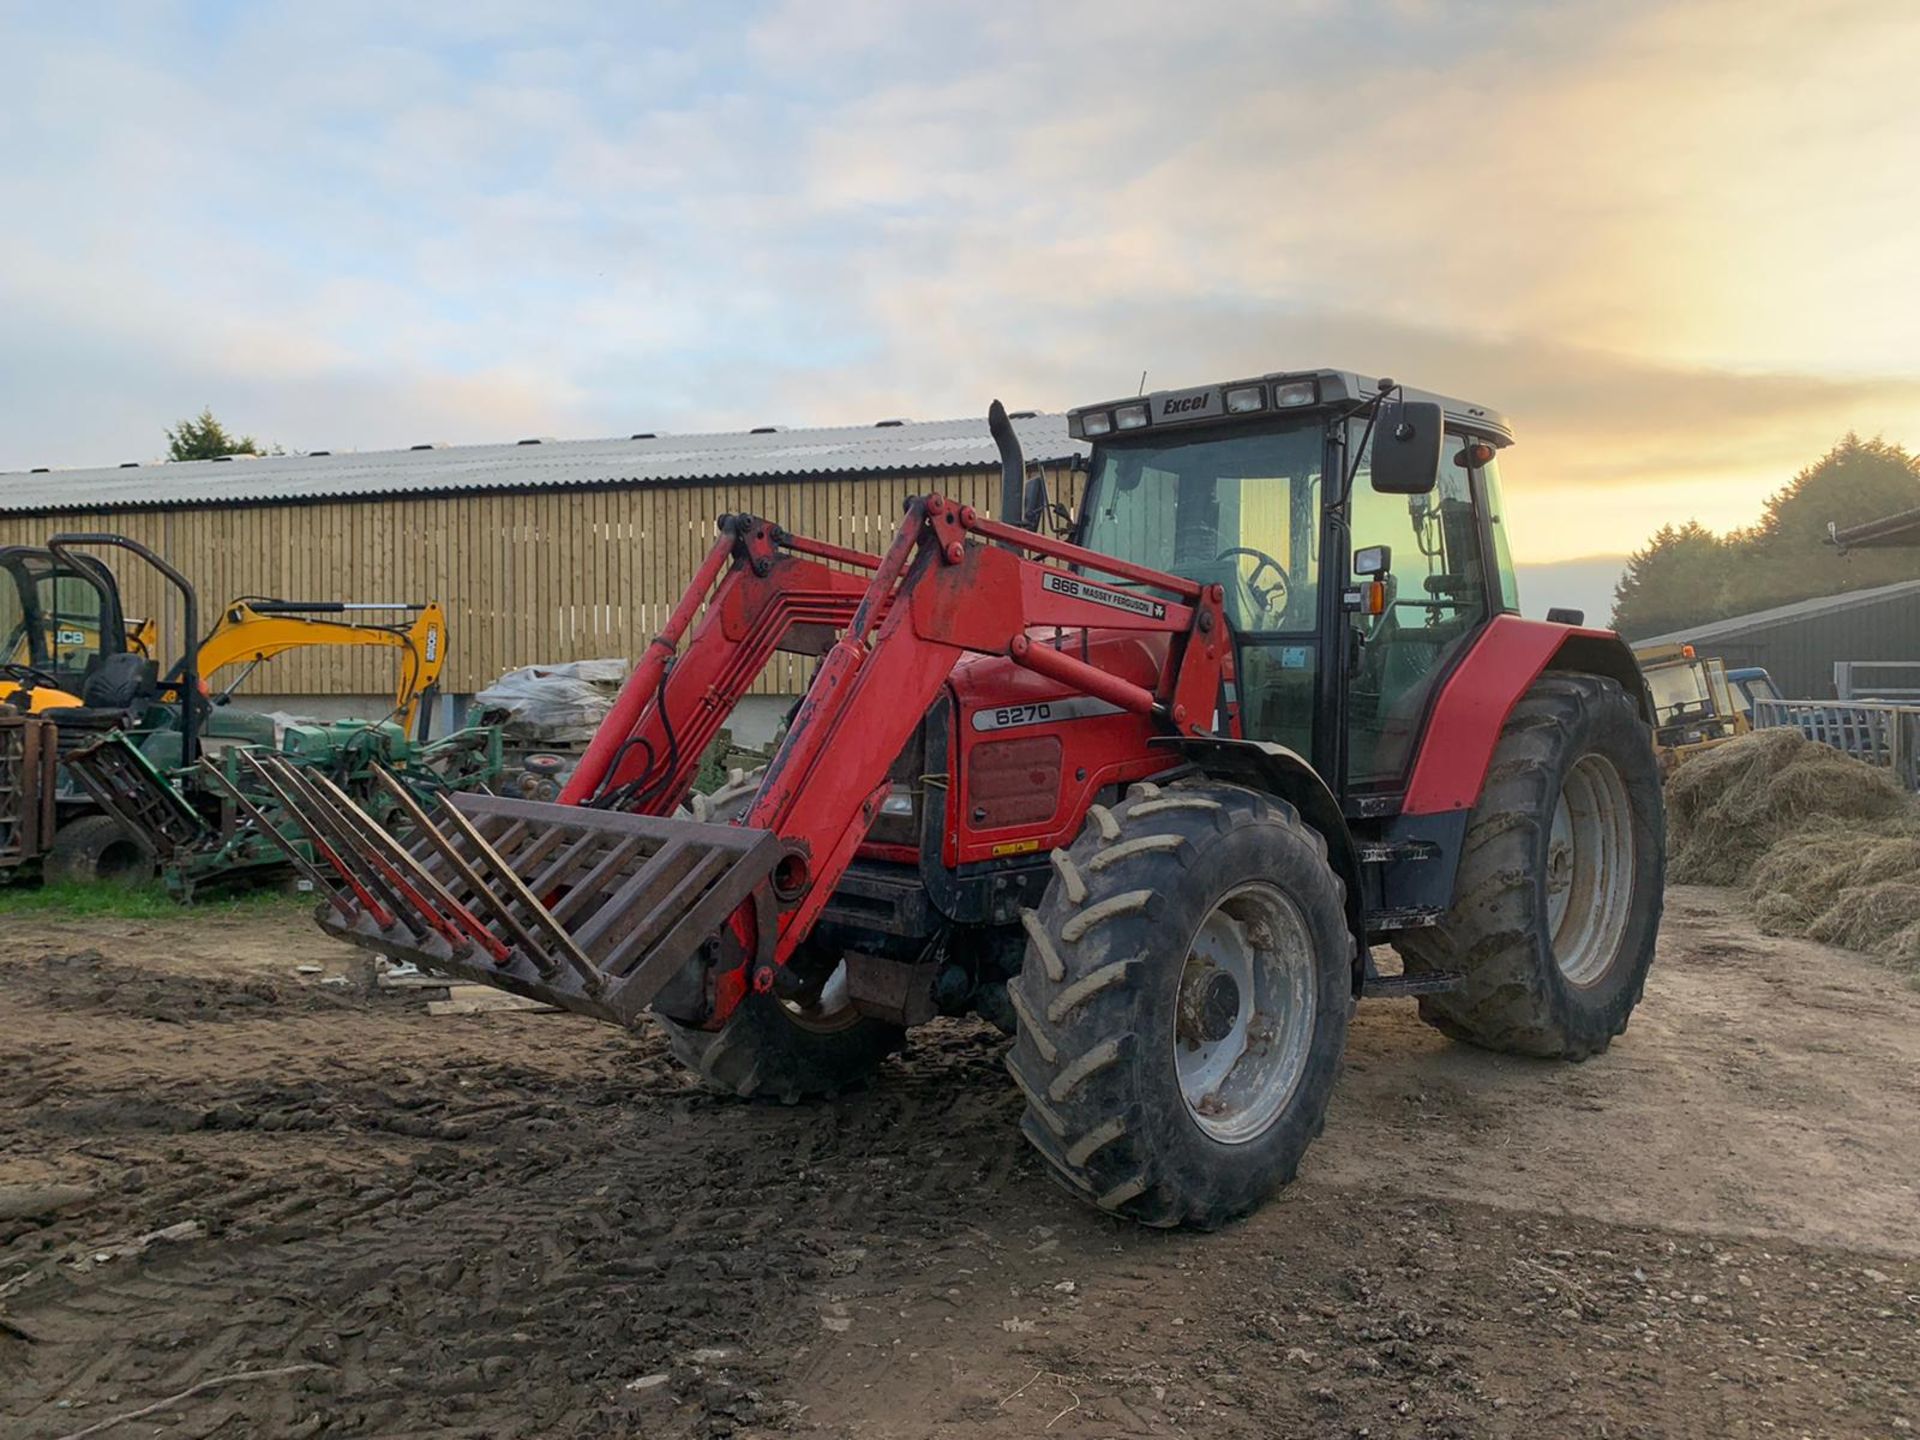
{"x": 1275, "y": 770}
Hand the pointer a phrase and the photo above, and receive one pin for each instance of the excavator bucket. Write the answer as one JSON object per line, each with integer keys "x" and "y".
{"x": 594, "y": 911}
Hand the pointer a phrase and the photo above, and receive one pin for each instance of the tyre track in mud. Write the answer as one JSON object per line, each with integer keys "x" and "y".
{"x": 492, "y": 1226}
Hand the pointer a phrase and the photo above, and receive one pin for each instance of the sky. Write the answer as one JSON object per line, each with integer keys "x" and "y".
{"x": 1675, "y": 242}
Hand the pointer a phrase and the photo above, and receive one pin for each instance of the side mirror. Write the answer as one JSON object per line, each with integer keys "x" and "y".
{"x": 1372, "y": 561}
{"x": 1034, "y": 501}
{"x": 1406, "y": 447}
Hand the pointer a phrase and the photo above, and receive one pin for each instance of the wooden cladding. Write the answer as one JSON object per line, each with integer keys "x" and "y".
{"x": 531, "y": 578}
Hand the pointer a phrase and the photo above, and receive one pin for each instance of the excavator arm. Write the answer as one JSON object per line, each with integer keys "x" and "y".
{"x": 610, "y": 900}
{"x": 251, "y": 632}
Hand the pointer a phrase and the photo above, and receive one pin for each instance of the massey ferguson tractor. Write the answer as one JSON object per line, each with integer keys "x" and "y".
{"x": 1147, "y": 796}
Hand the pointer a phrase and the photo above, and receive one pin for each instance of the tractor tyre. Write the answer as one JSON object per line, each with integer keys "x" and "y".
{"x": 1183, "y": 1003}
{"x": 96, "y": 850}
{"x": 773, "y": 1048}
{"x": 1559, "y": 892}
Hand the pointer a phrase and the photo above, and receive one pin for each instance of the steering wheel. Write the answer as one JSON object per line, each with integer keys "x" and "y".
{"x": 31, "y": 675}
{"x": 1282, "y": 583}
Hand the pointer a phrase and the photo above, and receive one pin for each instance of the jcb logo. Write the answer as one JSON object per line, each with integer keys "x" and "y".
{"x": 433, "y": 643}
{"x": 1186, "y": 403}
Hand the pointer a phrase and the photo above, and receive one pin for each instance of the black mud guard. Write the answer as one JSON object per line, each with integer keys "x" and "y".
{"x": 1283, "y": 773}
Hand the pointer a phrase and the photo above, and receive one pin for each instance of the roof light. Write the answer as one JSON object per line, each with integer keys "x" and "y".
{"x": 1096, "y": 422}
{"x": 319, "y": 452}
{"x": 888, "y": 424}
{"x": 1293, "y": 392}
{"x": 643, "y": 435}
{"x": 1130, "y": 417}
{"x": 129, "y": 464}
{"x": 1245, "y": 399}
{"x": 1021, "y": 414}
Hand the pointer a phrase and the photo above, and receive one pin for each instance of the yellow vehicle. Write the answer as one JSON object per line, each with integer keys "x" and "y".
{"x": 252, "y": 631}
{"x": 1694, "y": 705}
{"x": 76, "y": 672}
{"x": 54, "y": 612}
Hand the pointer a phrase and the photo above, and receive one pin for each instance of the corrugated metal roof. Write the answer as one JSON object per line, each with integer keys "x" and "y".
{"x": 936, "y": 445}
{"x": 1800, "y": 610}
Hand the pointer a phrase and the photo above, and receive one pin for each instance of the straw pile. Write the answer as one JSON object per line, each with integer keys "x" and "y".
{"x": 1828, "y": 848}
{"x": 1727, "y": 807}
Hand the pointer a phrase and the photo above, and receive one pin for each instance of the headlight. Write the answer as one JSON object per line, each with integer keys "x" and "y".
{"x": 1245, "y": 399}
{"x": 1096, "y": 422}
{"x": 1131, "y": 417}
{"x": 1294, "y": 392}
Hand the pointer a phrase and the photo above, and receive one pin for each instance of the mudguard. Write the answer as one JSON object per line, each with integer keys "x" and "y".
{"x": 1280, "y": 772}
{"x": 1474, "y": 701}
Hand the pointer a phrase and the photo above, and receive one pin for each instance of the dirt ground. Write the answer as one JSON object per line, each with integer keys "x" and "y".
{"x": 531, "y": 1225}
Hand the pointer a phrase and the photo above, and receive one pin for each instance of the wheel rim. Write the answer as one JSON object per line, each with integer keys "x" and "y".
{"x": 831, "y": 1010}
{"x": 1248, "y": 999}
{"x": 1590, "y": 854}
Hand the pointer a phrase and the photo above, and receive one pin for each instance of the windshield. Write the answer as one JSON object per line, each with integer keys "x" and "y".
{"x": 1679, "y": 691}
{"x": 1241, "y": 511}
{"x": 50, "y": 617}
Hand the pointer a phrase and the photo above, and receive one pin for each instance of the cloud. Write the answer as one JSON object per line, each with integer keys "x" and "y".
{"x": 1669, "y": 239}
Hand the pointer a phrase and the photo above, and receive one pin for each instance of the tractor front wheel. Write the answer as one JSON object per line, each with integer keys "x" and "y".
{"x": 1558, "y": 896}
{"x": 1183, "y": 1003}
{"x": 785, "y": 1050}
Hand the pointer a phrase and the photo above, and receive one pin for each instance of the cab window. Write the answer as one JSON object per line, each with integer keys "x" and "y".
{"x": 1240, "y": 511}
{"x": 1496, "y": 508}
{"x": 72, "y": 617}
{"x": 1437, "y": 596}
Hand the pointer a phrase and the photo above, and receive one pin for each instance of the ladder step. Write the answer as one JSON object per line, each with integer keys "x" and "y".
{"x": 1431, "y": 982}
{"x": 1388, "y": 852}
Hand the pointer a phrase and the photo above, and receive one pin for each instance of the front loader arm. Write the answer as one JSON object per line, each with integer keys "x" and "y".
{"x": 608, "y": 899}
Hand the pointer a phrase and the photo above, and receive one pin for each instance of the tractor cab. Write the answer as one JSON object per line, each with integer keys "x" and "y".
{"x": 61, "y": 629}
{"x": 1350, "y": 596}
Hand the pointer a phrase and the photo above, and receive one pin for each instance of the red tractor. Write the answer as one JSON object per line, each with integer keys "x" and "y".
{"x": 1145, "y": 797}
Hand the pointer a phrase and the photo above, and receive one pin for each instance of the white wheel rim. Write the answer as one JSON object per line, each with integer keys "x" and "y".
{"x": 1590, "y": 855}
{"x": 831, "y": 1010}
{"x": 1236, "y": 1078}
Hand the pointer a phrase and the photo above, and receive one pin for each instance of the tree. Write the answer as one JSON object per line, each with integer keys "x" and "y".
{"x": 205, "y": 438}
{"x": 1676, "y": 581}
{"x": 1687, "y": 575}
{"x": 1857, "y": 480}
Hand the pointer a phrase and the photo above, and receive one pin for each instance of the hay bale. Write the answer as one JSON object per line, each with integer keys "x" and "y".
{"x": 1728, "y": 807}
{"x": 1803, "y": 876}
{"x": 1878, "y": 919}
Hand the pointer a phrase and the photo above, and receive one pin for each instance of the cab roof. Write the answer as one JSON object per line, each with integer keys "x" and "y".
{"x": 1278, "y": 392}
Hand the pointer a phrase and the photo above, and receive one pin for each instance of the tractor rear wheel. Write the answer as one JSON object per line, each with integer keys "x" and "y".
{"x": 1183, "y": 1003}
{"x": 97, "y": 850}
{"x": 1558, "y": 897}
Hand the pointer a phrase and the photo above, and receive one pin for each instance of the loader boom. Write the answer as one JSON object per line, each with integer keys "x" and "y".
{"x": 601, "y": 901}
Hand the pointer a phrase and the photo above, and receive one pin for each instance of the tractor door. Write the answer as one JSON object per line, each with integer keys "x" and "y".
{"x": 1449, "y": 575}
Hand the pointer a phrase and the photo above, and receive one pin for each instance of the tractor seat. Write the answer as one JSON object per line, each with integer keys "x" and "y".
{"x": 118, "y": 682}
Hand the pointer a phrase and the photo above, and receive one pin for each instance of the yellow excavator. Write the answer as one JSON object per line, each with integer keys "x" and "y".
{"x": 103, "y": 748}
{"x": 52, "y": 616}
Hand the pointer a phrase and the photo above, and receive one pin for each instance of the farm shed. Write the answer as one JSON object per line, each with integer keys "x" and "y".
{"x": 1800, "y": 644}
{"x": 542, "y": 551}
